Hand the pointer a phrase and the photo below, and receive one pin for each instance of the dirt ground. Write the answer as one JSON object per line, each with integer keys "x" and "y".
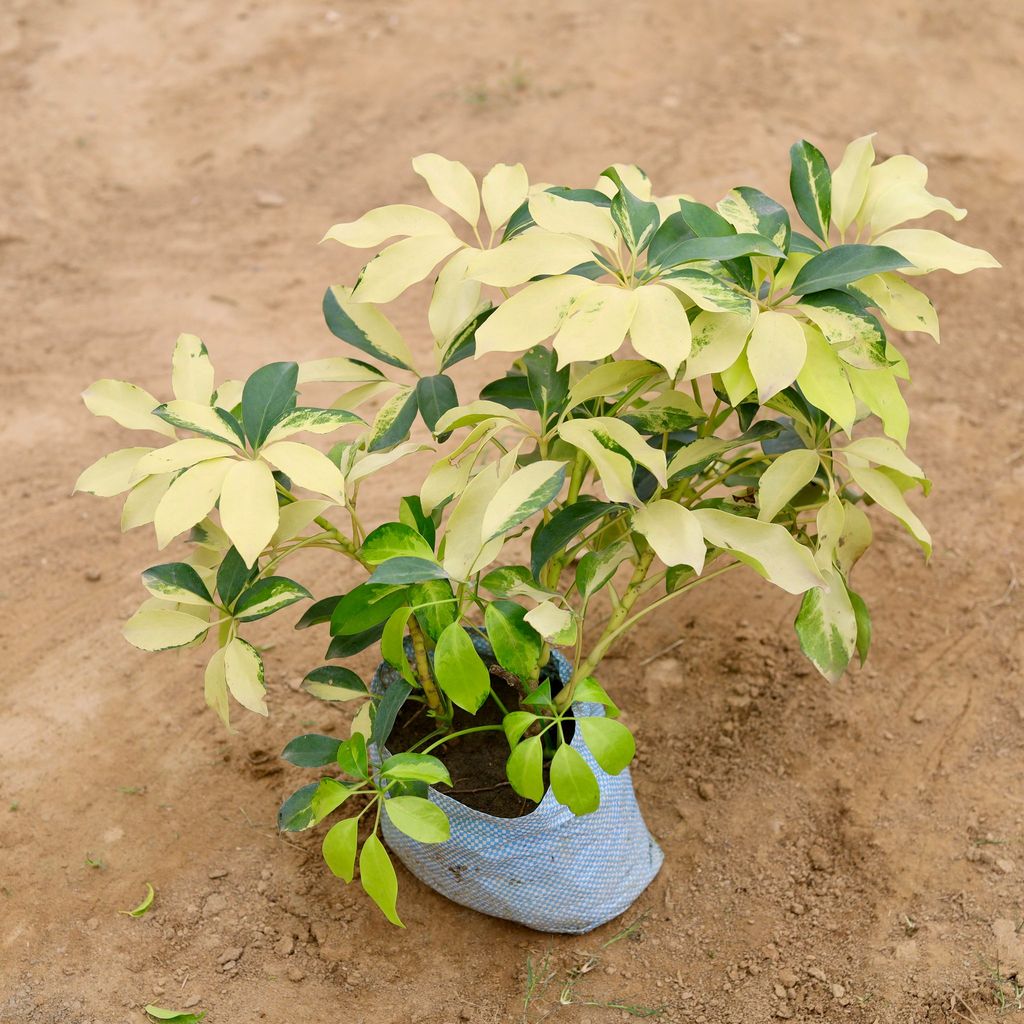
{"x": 846, "y": 853}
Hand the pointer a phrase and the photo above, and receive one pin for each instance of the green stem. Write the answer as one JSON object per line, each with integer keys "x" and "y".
{"x": 438, "y": 708}
{"x": 461, "y": 732}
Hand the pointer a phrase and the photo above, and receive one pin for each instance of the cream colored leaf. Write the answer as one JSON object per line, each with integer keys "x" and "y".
{"x": 189, "y": 499}
{"x": 717, "y": 342}
{"x": 530, "y": 316}
{"x": 160, "y": 629}
{"x": 631, "y": 176}
{"x": 127, "y": 405}
{"x": 555, "y": 624}
{"x": 455, "y": 298}
{"x": 783, "y": 479}
{"x": 896, "y": 193}
{"x": 660, "y": 330}
{"x": 307, "y": 467}
{"x": 191, "y": 370}
{"x": 775, "y": 353}
{"x": 370, "y": 329}
{"x": 113, "y": 474}
{"x": 451, "y": 183}
{"x": 530, "y": 254}
{"x": 368, "y": 463}
{"x": 527, "y": 491}
{"x": 182, "y": 454}
{"x": 883, "y": 452}
{"x": 824, "y": 382}
{"x": 931, "y": 250}
{"x": 596, "y": 325}
{"x": 850, "y": 181}
{"x": 829, "y": 521}
{"x": 614, "y": 447}
{"x": 401, "y": 265}
{"x": 883, "y": 491}
{"x": 385, "y": 222}
{"x": 141, "y": 504}
{"x": 243, "y": 671}
{"x": 362, "y": 722}
{"x": 767, "y": 548}
{"x": 248, "y": 507}
{"x": 229, "y": 394}
{"x": 608, "y": 379}
{"x": 463, "y": 533}
{"x": 504, "y": 190}
{"x": 568, "y": 217}
{"x": 880, "y": 392}
{"x": 673, "y": 532}
{"x": 215, "y": 687}
{"x": 901, "y": 304}
{"x": 710, "y": 293}
{"x": 362, "y": 393}
{"x": 854, "y": 539}
{"x": 338, "y": 370}
{"x": 295, "y": 517}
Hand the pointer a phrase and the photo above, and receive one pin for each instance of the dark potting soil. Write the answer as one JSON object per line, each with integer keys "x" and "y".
{"x": 476, "y": 762}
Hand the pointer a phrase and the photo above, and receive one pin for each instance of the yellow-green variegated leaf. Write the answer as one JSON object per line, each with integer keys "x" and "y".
{"x": 215, "y": 687}
{"x": 243, "y": 670}
{"x": 567, "y": 216}
{"x": 854, "y": 539}
{"x": 850, "y": 181}
{"x": 402, "y": 265}
{"x": 228, "y": 394}
{"x": 530, "y": 316}
{"x": 858, "y": 340}
{"x": 554, "y": 623}
{"x": 368, "y": 463}
{"x": 455, "y": 300}
{"x": 784, "y": 478}
{"x": 596, "y": 325}
{"x": 113, "y": 474}
{"x": 476, "y": 412}
{"x": 503, "y": 190}
{"x": 533, "y": 253}
{"x": 824, "y": 382}
{"x": 931, "y": 250}
{"x": 660, "y": 330}
{"x": 883, "y": 491}
{"x": 451, "y": 183}
{"x": 896, "y": 193}
{"x": 464, "y": 546}
{"x": 608, "y": 379}
{"x": 767, "y": 548}
{"x": 248, "y": 507}
{"x": 182, "y": 454}
{"x": 127, "y": 405}
{"x": 313, "y": 421}
{"x": 526, "y": 492}
{"x": 449, "y": 475}
{"x": 160, "y": 629}
{"x": 295, "y": 517}
{"x": 306, "y": 467}
{"x": 338, "y": 370}
{"x": 673, "y": 532}
{"x": 884, "y": 452}
{"x": 827, "y": 626}
{"x": 631, "y": 176}
{"x": 141, "y": 503}
{"x": 361, "y": 324}
{"x": 196, "y": 416}
{"x": 191, "y": 370}
{"x": 614, "y": 448}
{"x": 710, "y": 293}
{"x": 880, "y": 391}
{"x": 716, "y": 343}
{"x": 775, "y": 353}
{"x": 385, "y": 222}
{"x": 829, "y": 521}
{"x": 189, "y": 499}
{"x": 901, "y": 304}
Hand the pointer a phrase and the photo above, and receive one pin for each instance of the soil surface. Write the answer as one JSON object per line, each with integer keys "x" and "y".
{"x": 844, "y": 853}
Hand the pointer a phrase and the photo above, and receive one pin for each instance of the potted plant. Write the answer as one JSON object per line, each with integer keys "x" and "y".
{"x": 756, "y": 416}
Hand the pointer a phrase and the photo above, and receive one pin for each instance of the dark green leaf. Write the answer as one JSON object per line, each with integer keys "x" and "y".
{"x": 511, "y": 391}
{"x": 296, "y": 812}
{"x": 548, "y": 386}
{"x": 318, "y": 611}
{"x": 516, "y": 644}
{"x": 463, "y": 345}
{"x": 232, "y": 576}
{"x": 387, "y": 711}
{"x": 341, "y": 325}
{"x": 803, "y": 243}
{"x": 810, "y": 184}
{"x": 435, "y": 396}
{"x": 772, "y": 218}
{"x": 844, "y": 264}
{"x": 397, "y": 429}
{"x": 269, "y": 595}
{"x": 333, "y": 682}
{"x": 406, "y": 569}
{"x": 553, "y": 536}
{"x": 719, "y": 248}
{"x": 268, "y": 395}
{"x": 311, "y": 750}
{"x": 704, "y": 222}
{"x": 346, "y": 646}
{"x": 637, "y": 219}
{"x": 366, "y": 606}
{"x": 174, "y": 580}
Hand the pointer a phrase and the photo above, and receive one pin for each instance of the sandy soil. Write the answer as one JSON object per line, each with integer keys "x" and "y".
{"x": 848, "y": 853}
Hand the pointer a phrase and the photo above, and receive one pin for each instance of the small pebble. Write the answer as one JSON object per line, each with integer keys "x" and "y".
{"x": 229, "y": 955}
{"x": 1006, "y": 866}
{"x": 93, "y": 575}
{"x": 706, "y": 790}
{"x": 838, "y": 991}
{"x": 296, "y": 974}
{"x": 268, "y": 199}
{"x": 219, "y": 873}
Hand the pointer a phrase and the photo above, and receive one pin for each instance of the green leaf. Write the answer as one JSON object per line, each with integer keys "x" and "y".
{"x": 267, "y": 596}
{"x": 751, "y": 208}
{"x": 175, "y": 1016}
{"x": 364, "y": 327}
{"x": 413, "y": 767}
{"x": 233, "y": 575}
{"x": 860, "y": 610}
{"x": 551, "y": 537}
{"x": 610, "y": 742}
{"x": 333, "y": 682}
{"x": 311, "y": 750}
{"x": 590, "y": 691}
{"x": 507, "y": 580}
{"x": 516, "y": 644}
{"x": 573, "y": 782}
{"x": 547, "y": 384}
{"x": 387, "y": 711}
{"x": 329, "y": 796}
{"x": 366, "y": 606}
{"x": 460, "y": 671}
{"x": 434, "y": 605}
{"x": 339, "y": 848}
{"x": 720, "y": 248}
{"x": 596, "y": 568}
{"x": 463, "y": 345}
{"x": 435, "y": 396}
{"x": 525, "y": 769}
{"x": 855, "y": 334}
{"x": 418, "y": 818}
{"x": 392, "y": 422}
{"x": 515, "y": 723}
{"x": 353, "y": 758}
{"x": 810, "y": 184}
{"x": 296, "y": 812}
{"x": 844, "y": 264}
{"x": 394, "y": 540}
{"x": 636, "y": 219}
{"x": 378, "y": 879}
{"x": 268, "y": 395}
{"x": 143, "y": 907}
{"x": 526, "y": 492}
{"x": 826, "y": 626}
{"x": 406, "y": 569}
{"x": 176, "y": 581}
{"x": 345, "y": 646}
{"x": 392, "y": 643}
{"x": 410, "y": 512}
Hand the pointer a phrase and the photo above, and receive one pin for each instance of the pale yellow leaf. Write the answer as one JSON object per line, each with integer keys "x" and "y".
{"x": 883, "y": 491}
{"x": 243, "y": 671}
{"x": 248, "y": 507}
{"x": 775, "y": 353}
{"x": 307, "y": 467}
{"x": 673, "y": 532}
{"x": 504, "y": 190}
{"x": 931, "y": 250}
{"x": 160, "y": 629}
{"x": 113, "y": 474}
{"x": 127, "y": 405}
{"x": 850, "y": 181}
{"x": 338, "y": 370}
{"x": 533, "y": 253}
{"x": 455, "y": 298}
{"x": 783, "y": 479}
{"x": 182, "y": 454}
{"x": 385, "y": 222}
{"x": 596, "y": 325}
{"x": 451, "y": 183}
{"x": 295, "y": 517}
{"x": 896, "y": 193}
{"x": 824, "y": 382}
{"x": 880, "y": 392}
{"x": 215, "y": 687}
{"x": 660, "y": 330}
{"x": 401, "y": 265}
{"x": 567, "y": 216}
{"x": 140, "y": 506}
{"x": 530, "y": 316}
{"x": 189, "y": 499}
{"x": 901, "y": 304}
{"x": 717, "y": 342}
{"x": 191, "y": 370}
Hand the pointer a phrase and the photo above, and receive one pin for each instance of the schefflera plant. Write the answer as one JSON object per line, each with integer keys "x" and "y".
{"x": 758, "y": 413}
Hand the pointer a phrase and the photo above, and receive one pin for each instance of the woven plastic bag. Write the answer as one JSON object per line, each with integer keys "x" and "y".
{"x": 548, "y": 870}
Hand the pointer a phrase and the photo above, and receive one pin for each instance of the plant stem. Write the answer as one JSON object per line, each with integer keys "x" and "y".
{"x": 436, "y": 703}
{"x": 461, "y": 732}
